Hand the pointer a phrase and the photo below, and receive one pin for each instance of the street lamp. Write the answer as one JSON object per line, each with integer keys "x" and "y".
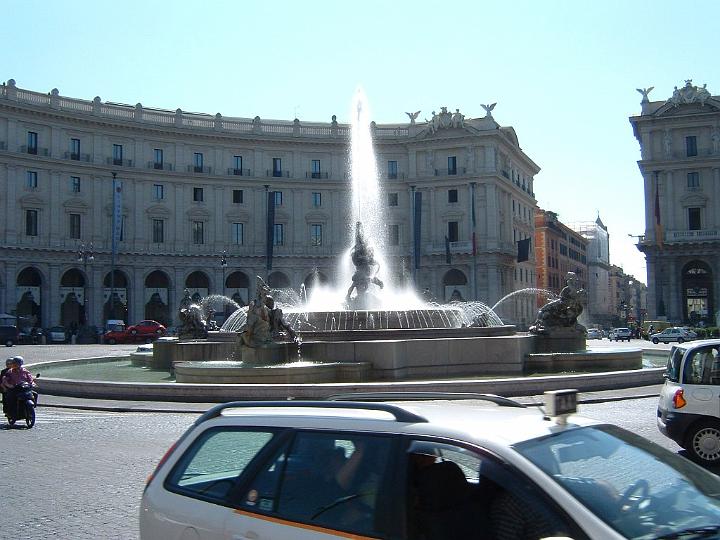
{"x": 223, "y": 264}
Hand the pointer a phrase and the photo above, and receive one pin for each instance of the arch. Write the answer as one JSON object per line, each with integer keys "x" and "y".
{"x": 278, "y": 280}
{"x": 198, "y": 283}
{"x": 315, "y": 278}
{"x": 116, "y": 296}
{"x": 455, "y": 285}
{"x": 237, "y": 287}
{"x": 237, "y": 280}
{"x": 157, "y": 304}
{"x": 72, "y": 299}
{"x": 29, "y": 288}
{"x": 698, "y": 293}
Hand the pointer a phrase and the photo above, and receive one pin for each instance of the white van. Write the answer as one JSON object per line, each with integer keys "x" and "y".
{"x": 689, "y": 405}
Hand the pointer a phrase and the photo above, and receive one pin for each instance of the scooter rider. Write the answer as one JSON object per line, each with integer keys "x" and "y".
{"x": 14, "y": 376}
{"x": 2, "y": 374}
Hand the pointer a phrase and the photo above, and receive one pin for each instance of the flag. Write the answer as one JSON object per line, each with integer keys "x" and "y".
{"x": 448, "y": 256}
{"x": 658, "y": 226}
{"x": 523, "y": 253}
{"x": 270, "y": 237}
{"x": 416, "y": 228}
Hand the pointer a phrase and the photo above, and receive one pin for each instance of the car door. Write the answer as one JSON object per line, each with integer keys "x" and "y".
{"x": 322, "y": 484}
{"x": 192, "y": 502}
{"x": 701, "y": 381}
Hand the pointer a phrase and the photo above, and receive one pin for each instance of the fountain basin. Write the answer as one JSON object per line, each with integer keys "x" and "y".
{"x": 230, "y": 372}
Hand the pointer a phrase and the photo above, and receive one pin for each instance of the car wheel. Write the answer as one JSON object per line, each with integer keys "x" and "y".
{"x": 656, "y": 340}
{"x": 9, "y": 343}
{"x": 703, "y": 442}
{"x": 158, "y": 332}
{"x": 111, "y": 341}
{"x": 133, "y": 332}
{"x": 681, "y": 340}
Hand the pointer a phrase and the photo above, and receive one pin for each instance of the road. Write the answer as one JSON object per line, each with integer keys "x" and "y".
{"x": 80, "y": 474}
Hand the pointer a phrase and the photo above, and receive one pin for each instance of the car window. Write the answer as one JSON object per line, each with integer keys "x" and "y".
{"x": 672, "y": 372}
{"x": 211, "y": 466}
{"x": 702, "y": 366}
{"x": 454, "y": 492}
{"x": 628, "y": 482}
{"x": 338, "y": 481}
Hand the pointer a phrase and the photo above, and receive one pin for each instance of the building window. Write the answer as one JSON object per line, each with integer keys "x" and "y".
{"x": 31, "y": 180}
{"x": 158, "y": 231}
{"x": 237, "y": 196}
{"x": 394, "y": 235}
{"x": 158, "y": 159}
{"x": 452, "y": 195}
{"x": 453, "y": 231}
{"x": 693, "y": 179}
{"x": 392, "y": 199}
{"x": 117, "y": 154}
{"x": 198, "y": 162}
{"x": 452, "y": 165}
{"x": 694, "y": 219}
{"x": 278, "y": 198}
{"x": 198, "y": 194}
{"x": 315, "y": 168}
{"x": 32, "y": 141}
{"x": 316, "y": 199}
{"x": 277, "y": 166}
{"x": 75, "y": 184}
{"x": 278, "y": 234}
{"x": 75, "y": 149}
{"x": 392, "y": 170}
{"x": 197, "y": 232}
{"x": 159, "y": 191}
{"x": 691, "y": 145}
{"x": 75, "y": 226}
{"x": 237, "y": 233}
{"x": 31, "y": 222}
{"x": 237, "y": 165}
{"x": 315, "y": 234}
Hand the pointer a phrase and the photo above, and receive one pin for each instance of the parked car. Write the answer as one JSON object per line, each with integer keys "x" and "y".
{"x": 620, "y": 334}
{"x": 361, "y": 469}
{"x": 146, "y": 328}
{"x": 56, "y": 334}
{"x": 117, "y": 333}
{"x": 688, "y": 410}
{"x": 594, "y": 333}
{"x": 9, "y": 335}
{"x": 672, "y": 334}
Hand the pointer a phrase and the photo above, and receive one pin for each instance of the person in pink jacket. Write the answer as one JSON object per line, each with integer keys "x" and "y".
{"x": 15, "y": 375}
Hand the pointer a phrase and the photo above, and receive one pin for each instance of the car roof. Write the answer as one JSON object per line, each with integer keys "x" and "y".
{"x": 486, "y": 423}
{"x": 699, "y": 343}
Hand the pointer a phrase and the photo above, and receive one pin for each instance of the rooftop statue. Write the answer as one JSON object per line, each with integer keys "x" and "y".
{"x": 366, "y": 268}
{"x": 563, "y": 312}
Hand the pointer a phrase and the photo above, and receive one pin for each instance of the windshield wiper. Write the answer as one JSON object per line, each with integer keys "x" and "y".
{"x": 694, "y": 532}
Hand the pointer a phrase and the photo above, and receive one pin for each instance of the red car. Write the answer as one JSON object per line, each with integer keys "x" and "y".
{"x": 142, "y": 331}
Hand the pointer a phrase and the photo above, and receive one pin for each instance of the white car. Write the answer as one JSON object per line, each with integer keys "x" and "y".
{"x": 672, "y": 334}
{"x": 620, "y": 334}
{"x": 294, "y": 470}
{"x": 594, "y": 333}
{"x": 688, "y": 408}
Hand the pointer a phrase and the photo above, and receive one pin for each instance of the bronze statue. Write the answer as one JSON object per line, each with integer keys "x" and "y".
{"x": 562, "y": 312}
{"x": 366, "y": 268}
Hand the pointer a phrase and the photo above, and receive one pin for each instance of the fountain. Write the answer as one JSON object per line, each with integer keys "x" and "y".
{"x": 368, "y": 328}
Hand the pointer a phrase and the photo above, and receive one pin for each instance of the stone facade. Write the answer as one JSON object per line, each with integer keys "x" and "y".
{"x": 680, "y": 165}
{"x": 194, "y": 186}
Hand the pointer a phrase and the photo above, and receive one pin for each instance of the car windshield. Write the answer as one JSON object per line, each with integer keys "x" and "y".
{"x": 672, "y": 373}
{"x": 638, "y": 488}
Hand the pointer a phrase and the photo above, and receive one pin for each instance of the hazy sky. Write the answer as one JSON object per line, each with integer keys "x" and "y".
{"x": 563, "y": 73}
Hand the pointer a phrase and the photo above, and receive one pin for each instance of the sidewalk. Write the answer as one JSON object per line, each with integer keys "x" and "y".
{"x": 61, "y": 402}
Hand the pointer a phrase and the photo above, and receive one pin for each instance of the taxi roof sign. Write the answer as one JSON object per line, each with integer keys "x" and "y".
{"x": 559, "y": 403}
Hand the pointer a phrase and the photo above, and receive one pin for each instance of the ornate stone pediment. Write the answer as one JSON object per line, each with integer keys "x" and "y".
{"x": 31, "y": 200}
{"x": 198, "y": 213}
{"x": 158, "y": 210}
{"x": 689, "y": 98}
{"x": 694, "y": 199}
{"x": 79, "y": 204}
{"x": 237, "y": 216}
{"x": 445, "y": 120}
{"x": 316, "y": 216}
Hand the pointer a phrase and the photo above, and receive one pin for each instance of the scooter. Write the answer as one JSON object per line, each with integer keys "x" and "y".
{"x": 24, "y": 406}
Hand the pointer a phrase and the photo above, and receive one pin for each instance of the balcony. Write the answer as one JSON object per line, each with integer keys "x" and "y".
{"x": 238, "y": 172}
{"x": 450, "y": 172}
{"x": 77, "y": 157}
{"x": 277, "y": 174}
{"x": 120, "y": 162}
{"x": 316, "y": 175}
{"x": 396, "y": 176}
{"x": 464, "y": 246}
{"x": 34, "y": 150}
{"x": 703, "y": 235}
{"x": 198, "y": 169}
{"x": 159, "y": 166}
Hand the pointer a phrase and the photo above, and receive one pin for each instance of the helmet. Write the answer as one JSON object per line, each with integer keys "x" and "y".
{"x": 19, "y": 360}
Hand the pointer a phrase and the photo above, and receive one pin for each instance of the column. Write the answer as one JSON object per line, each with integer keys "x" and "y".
{"x": 713, "y": 207}
{"x": 140, "y": 223}
{"x": 491, "y": 216}
{"x": 51, "y": 297}
{"x": 673, "y": 302}
{"x": 221, "y": 233}
{"x": 136, "y": 295}
{"x": 652, "y": 287}
{"x": 648, "y": 180}
{"x": 667, "y": 204}
{"x": 10, "y": 279}
{"x": 12, "y": 212}
{"x": 412, "y": 164}
{"x": 96, "y": 306}
{"x": 57, "y": 231}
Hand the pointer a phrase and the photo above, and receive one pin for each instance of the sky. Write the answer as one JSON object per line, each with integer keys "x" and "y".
{"x": 563, "y": 73}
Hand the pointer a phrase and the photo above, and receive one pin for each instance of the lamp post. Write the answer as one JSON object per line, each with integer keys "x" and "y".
{"x": 223, "y": 264}
{"x": 85, "y": 255}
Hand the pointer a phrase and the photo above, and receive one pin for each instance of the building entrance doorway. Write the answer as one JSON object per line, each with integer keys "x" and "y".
{"x": 697, "y": 287}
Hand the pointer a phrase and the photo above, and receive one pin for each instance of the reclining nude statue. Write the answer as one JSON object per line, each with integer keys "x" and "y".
{"x": 265, "y": 323}
{"x": 562, "y": 312}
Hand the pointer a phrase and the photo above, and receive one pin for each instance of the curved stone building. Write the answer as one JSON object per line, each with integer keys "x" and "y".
{"x": 189, "y": 187}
